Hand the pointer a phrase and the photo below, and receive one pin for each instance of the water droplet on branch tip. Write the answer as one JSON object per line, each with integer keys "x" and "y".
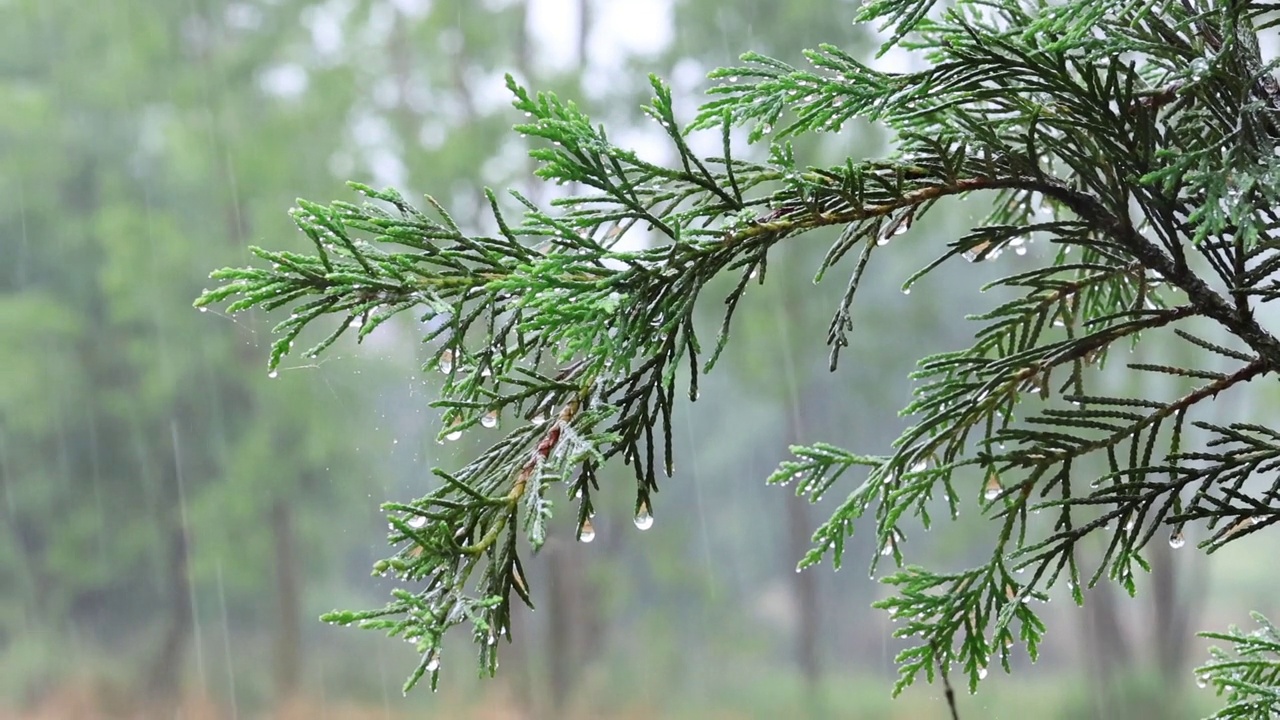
{"x": 273, "y": 374}
{"x": 489, "y": 419}
{"x": 644, "y": 518}
{"x": 446, "y": 361}
{"x": 587, "y": 531}
{"x": 1176, "y": 540}
{"x": 993, "y": 488}
{"x": 417, "y": 521}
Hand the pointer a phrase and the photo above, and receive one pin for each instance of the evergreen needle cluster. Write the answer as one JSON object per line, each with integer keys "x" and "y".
{"x": 1138, "y": 140}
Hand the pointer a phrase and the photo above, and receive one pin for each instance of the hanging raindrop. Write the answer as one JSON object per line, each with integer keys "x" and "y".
{"x": 644, "y": 518}
{"x": 273, "y": 375}
{"x": 982, "y": 673}
{"x": 455, "y": 434}
{"x": 489, "y": 419}
{"x": 994, "y": 488}
{"x": 417, "y": 521}
{"x": 446, "y": 361}
{"x": 587, "y": 531}
{"x": 1176, "y": 540}
{"x": 433, "y": 664}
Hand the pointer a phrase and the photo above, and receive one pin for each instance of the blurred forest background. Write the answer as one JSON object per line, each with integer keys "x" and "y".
{"x": 173, "y": 520}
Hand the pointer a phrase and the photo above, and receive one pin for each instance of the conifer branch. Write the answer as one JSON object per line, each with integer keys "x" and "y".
{"x": 1140, "y": 136}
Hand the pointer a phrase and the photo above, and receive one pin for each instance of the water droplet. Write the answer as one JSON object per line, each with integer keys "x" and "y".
{"x": 1202, "y": 681}
{"x": 455, "y": 434}
{"x": 887, "y": 550}
{"x": 755, "y": 272}
{"x": 417, "y": 521}
{"x": 906, "y": 291}
{"x": 587, "y": 532}
{"x": 539, "y": 419}
{"x": 446, "y": 361}
{"x": 994, "y": 488}
{"x": 491, "y": 640}
{"x": 204, "y": 309}
{"x": 644, "y": 518}
{"x": 982, "y": 673}
{"x": 1176, "y": 540}
{"x": 273, "y": 374}
{"x": 489, "y": 419}
{"x": 433, "y": 664}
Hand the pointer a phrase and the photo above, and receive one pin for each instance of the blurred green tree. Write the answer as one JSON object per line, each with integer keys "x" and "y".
{"x": 1094, "y": 127}
{"x": 145, "y": 461}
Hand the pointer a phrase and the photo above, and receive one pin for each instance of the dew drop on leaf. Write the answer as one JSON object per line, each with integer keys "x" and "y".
{"x": 273, "y": 374}
{"x": 417, "y": 521}
{"x": 587, "y": 531}
{"x": 446, "y": 361}
{"x": 1176, "y": 540}
{"x": 489, "y": 419}
{"x": 982, "y": 673}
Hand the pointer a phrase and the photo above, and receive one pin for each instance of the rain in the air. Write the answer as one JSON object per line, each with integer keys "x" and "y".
{"x": 525, "y": 359}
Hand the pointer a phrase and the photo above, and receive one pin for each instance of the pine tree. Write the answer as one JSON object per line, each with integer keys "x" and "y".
{"x": 1136, "y": 145}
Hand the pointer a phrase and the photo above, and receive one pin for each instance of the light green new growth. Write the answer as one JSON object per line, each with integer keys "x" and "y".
{"x": 1137, "y": 139}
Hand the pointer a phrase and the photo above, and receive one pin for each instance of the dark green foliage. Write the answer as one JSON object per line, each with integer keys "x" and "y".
{"x": 1134, "y": 145}
{"x": 1251, "y": 677}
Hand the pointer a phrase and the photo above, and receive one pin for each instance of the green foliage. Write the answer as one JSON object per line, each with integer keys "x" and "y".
{"x": 1250, "y": 677}
{"x": 1133, "y": 145}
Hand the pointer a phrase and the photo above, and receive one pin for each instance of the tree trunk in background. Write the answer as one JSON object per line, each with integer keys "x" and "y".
{"x": 564, "y": 606}
{"x": 804, "y": 585}
{"x": 288, "y": 640}
{"x": 1172, "y": 612}
{"x": 1106, "y": 651}
{"x": 165, "y": 677}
